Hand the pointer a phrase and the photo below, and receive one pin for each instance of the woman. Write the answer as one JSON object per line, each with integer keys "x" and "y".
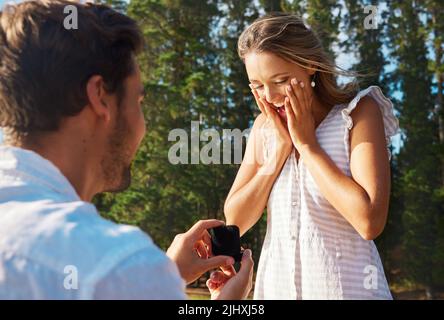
{"x": 317, "y": 158}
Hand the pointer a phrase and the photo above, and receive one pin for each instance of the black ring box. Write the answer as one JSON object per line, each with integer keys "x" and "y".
{"x": 225, "y": 240}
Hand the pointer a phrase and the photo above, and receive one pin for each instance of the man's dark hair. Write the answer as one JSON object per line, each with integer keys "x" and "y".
{"x": 44, "y": 68}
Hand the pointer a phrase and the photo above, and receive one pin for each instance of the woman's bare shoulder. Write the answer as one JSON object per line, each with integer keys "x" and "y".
{"x": 259, "y": 121}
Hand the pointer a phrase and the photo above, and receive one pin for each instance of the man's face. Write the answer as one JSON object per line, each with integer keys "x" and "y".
{"x": 125, "y": 138}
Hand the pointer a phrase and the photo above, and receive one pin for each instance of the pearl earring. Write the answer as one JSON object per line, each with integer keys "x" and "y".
{"x": 313, "y": 84}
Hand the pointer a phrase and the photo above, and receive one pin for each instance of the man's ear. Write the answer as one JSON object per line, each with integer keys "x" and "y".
{"x": 98, "y": 98}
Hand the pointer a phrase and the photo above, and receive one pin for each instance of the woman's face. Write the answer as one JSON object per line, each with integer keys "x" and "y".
{"x": 270, "y": 74}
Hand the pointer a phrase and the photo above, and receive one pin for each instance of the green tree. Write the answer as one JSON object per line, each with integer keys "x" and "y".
{"x": 324, "y": 17}
{"x": 417, "y": 159}
{"x": 366, "y": 43}
{"x": 435, "y": 29}
{"x": 119, "y": 5}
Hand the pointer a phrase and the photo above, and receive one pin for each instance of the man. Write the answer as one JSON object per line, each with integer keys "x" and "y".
{"x": 70, "y": 107}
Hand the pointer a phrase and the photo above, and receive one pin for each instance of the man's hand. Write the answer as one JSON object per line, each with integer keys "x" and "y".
{"x": 191, "y": 251}
{"x": 227, "y": 285}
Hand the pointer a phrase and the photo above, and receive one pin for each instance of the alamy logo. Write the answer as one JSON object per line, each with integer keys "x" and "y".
{"x": 371, "y": 278}
{"x": 71, "y": 21}
{"x": 370, "y": 21}
{"x": 71, "y": 281}
{"x": 211, "y": 152}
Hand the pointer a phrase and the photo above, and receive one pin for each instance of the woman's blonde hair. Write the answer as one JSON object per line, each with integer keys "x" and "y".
{"x": 286, "y": 36}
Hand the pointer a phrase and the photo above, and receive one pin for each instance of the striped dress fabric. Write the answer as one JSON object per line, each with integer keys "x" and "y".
{"x": 310, "y": 251}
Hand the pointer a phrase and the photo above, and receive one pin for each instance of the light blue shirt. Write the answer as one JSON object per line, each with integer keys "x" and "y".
{"x": 55, "y": 246}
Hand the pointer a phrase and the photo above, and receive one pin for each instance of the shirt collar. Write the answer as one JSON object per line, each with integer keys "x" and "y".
{"x": 29, "y": 166}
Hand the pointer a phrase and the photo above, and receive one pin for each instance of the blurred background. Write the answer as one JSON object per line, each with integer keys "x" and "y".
{"x": 191, "y": 72}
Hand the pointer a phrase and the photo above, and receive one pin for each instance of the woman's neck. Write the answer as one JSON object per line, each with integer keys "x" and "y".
{"x": 320, "y": 111}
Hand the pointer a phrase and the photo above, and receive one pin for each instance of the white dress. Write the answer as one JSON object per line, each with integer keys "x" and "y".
{"x": 310, "y": 251}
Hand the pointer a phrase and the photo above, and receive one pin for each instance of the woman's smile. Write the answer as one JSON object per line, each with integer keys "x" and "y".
{"x": 281, "y": 112}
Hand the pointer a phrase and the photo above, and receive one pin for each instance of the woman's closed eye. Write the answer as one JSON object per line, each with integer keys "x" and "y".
{"x": 280, "y": 82}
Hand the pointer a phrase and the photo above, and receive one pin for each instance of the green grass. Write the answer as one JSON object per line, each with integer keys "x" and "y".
{"x": 198, "y": 297}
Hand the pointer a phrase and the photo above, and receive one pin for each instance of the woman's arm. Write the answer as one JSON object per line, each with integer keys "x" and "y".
{"x": 362, "y": 199}
{"x": 248, "y": 196}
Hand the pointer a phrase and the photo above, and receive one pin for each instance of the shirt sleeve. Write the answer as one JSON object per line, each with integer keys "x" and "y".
{"x": 142, "y": 276}
{"x": 391, "y": 122}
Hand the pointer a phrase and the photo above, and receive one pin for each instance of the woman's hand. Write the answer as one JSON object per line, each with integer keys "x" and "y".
{"x": 226, "y": 284}
{"x": 191, "y": 251}
{"x": 277, "y": 141}
{"x": 300, "y": 119}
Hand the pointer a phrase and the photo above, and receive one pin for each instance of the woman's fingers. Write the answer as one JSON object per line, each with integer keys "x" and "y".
{"x": 211, "y": 285}
{"x": 305, "y": 102}
{"x": 256, "y": 97}
{"x": 219, "y": 277}
{"x": 229, "y": 271}
{"x": 293, "y": 101}
{"x": 309, "y": 99}
{"x": 297, "y": 92}
{"x": 271, "y": 113}
{"x": 290, "y": 114}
